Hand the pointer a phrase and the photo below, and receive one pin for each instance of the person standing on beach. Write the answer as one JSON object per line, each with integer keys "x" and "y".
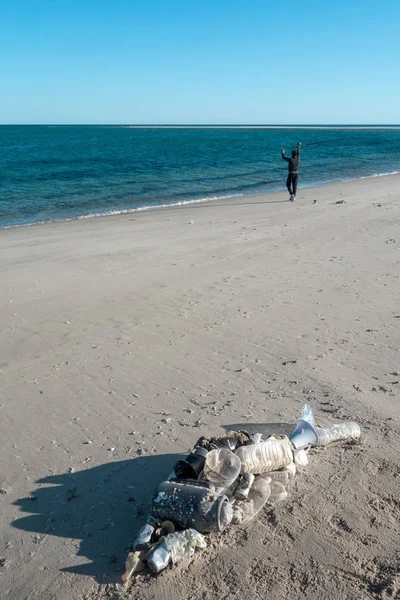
{"x": 293, "y": 175}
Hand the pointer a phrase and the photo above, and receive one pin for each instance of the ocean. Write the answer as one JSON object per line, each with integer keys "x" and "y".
{"x": 52, "y": 173}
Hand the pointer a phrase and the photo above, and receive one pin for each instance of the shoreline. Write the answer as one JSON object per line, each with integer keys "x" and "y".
{"x": 188, "y": 203}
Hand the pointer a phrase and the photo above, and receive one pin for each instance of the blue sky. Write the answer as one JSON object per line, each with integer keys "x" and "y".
{"x": 85, "y": 61}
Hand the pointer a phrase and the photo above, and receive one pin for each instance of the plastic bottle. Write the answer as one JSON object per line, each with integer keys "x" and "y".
{"x": 326, "y": 435}
{"x": 143, "y": 538}
{"x": 270, "y": 455}
{"x": 159, "y": 558}
{"x": 245, "y": 510}
{"x": 284, "y": 475}
{"x": 221, "y": 467}
{"x": 348, "y": 430}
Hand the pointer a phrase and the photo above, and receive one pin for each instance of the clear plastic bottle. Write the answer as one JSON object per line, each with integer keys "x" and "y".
{"x": 348, "y": 430}
{"x": 221, "y": 467}
{"x": 271, "y": 455}
{"x": 284, "y": 475}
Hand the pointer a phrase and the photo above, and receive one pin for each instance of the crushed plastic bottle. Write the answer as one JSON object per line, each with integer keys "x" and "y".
{"x": 174, "y": 548}
{"x": 245, "y": 510}
{"x": 271, "y": 455}
{"x": 348, "y": 430}
{"x": 159, "y": 559}
{"x": 143, "y": 538}
{"x": 222, "y": 467}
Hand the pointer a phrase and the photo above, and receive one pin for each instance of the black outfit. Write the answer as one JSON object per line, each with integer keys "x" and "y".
{"x": 293, "y": 175}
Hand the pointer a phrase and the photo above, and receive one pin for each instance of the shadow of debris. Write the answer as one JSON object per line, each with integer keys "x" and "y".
{"x": 266, "y": 429}
{"x": 102, "y": 508}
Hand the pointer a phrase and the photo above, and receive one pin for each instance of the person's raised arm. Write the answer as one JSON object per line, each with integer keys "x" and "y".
{"x": 284, "y": 157}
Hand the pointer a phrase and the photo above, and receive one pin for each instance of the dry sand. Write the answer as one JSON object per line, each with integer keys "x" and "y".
{"x": 122, "y": 340}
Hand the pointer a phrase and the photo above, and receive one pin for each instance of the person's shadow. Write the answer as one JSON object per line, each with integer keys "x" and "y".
{"x": 103, "y": 507}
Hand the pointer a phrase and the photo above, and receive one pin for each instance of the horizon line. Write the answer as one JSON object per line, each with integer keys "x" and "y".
{"x": 201, "y": 125}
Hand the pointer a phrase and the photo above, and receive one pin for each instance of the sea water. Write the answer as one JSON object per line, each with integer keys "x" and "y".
{"x": 62, "y": 172}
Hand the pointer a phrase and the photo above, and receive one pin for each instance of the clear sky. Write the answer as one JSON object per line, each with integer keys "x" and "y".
{"x": 211, "y": 61}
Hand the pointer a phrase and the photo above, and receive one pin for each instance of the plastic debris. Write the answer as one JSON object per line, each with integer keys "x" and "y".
{"x": 306, "y": 414}
{"x": 244, "y": 487}
{"x": 189, "y": 503}
{"x": 222, "y": 467}
{"x": 284, "y": 475}
{"x": 174, "y": 548}
{"x": 300, "y": 457}
{"x": 133, "y": 564}
{"x": 348, "y": 430}
{"x": 342, "y": 431}
{"x": 191, "y": 466}
{"x": 271, "y": 455}
{"x": 225, "y": 480}
{"x": 278, "y": 493}
{"x": 304, "y": 435}
{"x": 245, "y": 511}
{"x": 143, "y": 538}
{"x": 159, "y": 559}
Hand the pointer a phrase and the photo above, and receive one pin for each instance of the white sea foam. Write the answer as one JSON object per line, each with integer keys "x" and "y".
{"x": 380, "y": 175}
{"x": 139, "y": 209}
{"x": 128, "y": 211}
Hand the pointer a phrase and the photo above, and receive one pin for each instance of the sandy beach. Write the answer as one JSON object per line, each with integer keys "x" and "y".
{"x": 124, "y": 339}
